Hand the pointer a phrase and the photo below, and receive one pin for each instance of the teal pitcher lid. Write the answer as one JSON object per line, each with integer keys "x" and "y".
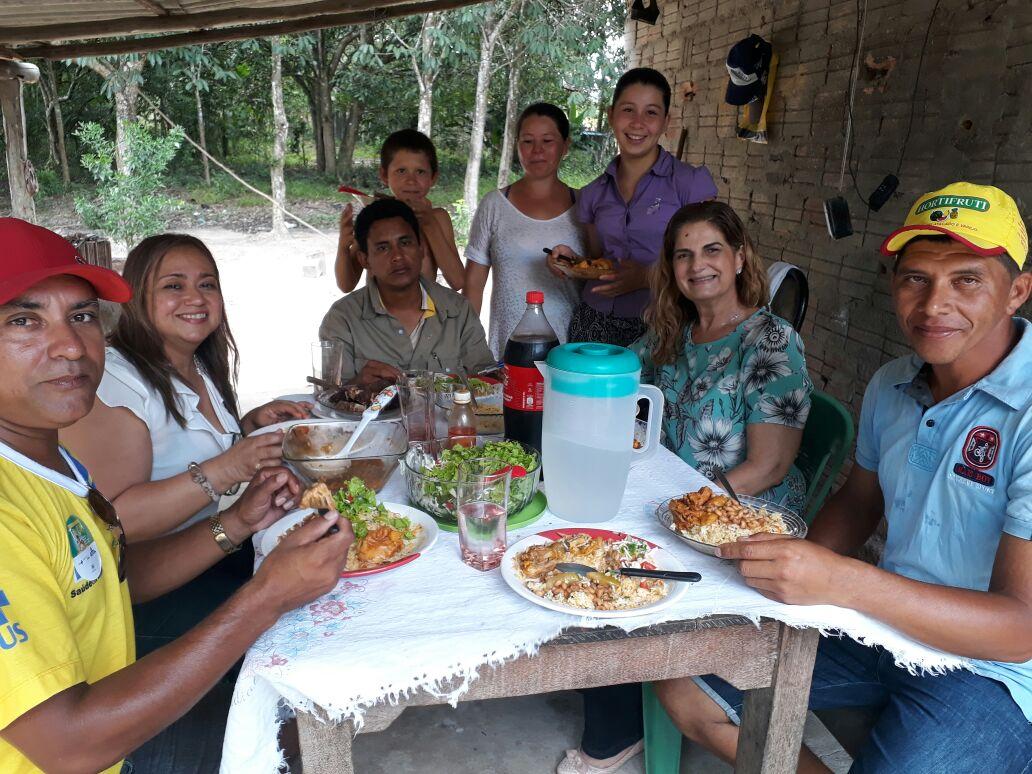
{"x": 591, "y": 358}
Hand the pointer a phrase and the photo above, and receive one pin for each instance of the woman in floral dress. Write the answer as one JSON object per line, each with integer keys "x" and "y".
{"x": 733, "y": 374}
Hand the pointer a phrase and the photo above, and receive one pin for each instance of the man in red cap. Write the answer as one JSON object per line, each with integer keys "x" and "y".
{"x": 72, "y": 696}
{"x": 944, "y": 454}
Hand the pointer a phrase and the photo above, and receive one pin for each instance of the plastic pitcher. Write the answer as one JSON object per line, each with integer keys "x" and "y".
{"x": 587, "y": 437}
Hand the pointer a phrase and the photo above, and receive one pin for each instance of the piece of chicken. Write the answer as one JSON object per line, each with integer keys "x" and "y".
{"x": 318, "y": 496}
{"x": 380, "y": 545}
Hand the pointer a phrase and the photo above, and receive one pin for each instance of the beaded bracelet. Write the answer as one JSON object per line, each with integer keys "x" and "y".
{"x": 202, "y": 481}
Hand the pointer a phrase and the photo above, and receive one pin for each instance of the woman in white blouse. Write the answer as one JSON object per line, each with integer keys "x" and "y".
{"x": 513, "y": 225}
{"x": 163, "y": 440}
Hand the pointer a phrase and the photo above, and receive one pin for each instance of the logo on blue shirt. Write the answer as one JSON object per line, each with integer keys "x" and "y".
{"x": 11, "y": 633}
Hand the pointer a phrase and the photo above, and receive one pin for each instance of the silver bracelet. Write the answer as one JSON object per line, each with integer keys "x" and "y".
{"x": 202, "y": 481}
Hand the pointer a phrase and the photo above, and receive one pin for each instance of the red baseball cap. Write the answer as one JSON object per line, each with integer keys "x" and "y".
{"x": 30, "y": 254}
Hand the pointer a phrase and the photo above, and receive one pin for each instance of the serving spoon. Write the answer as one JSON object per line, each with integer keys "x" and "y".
{"x": 634, "y": 572}
{"x": 382, "y": 398}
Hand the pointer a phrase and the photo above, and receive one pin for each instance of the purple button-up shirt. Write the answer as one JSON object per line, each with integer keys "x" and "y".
{"x": 634, "y": 230}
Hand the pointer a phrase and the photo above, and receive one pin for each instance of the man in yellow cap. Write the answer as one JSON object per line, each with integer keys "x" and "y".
{"x": 944, "y": 453}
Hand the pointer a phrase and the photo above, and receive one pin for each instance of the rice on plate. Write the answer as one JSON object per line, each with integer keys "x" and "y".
{"x": 603, "y": 589}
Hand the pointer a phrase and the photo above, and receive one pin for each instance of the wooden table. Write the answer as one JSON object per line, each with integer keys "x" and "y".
{"x": 772, "y": 662}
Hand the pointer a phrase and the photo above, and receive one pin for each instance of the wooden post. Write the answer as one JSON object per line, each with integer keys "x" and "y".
{"x": 19, "y": 170}
{"x": 773, "y": 718}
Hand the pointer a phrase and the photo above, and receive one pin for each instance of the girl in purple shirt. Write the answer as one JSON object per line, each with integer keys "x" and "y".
{"x": 625, "y": 213}
{"x": 625, "y": 210}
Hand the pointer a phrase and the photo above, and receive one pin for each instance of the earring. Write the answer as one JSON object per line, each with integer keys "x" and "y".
{"x": 739, "y": 270}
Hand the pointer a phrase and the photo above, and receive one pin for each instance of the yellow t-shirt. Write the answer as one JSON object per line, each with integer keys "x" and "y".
{"x": 64, "y": 617}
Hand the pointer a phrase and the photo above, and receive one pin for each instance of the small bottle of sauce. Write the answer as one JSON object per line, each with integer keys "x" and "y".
{"x": 462, "y": 422}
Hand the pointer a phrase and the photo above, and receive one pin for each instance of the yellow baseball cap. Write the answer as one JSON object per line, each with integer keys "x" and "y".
{"x": 980, "y": 216}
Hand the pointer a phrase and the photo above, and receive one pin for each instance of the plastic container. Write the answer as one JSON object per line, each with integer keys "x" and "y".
{"x": 588, "y": 430}
{"x": 530, "y": 342}
{"x": 462, "y": 422}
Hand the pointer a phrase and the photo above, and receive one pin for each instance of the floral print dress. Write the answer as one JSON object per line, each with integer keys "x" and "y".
{"x": 756, "y": 373}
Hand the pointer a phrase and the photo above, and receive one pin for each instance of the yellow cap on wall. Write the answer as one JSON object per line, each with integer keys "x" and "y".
{"x": 980, "y": 216}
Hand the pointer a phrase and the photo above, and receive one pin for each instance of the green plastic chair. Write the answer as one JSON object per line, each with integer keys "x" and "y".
{"x": 827, "y": 438}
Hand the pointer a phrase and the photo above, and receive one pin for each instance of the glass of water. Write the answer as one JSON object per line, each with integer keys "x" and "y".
{"x": 482, "y": 502}
{"x": 327, "y": 359}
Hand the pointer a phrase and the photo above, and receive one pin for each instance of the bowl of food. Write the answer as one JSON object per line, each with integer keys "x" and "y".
{"x": 312, "y": 450}
{"x": 431, "y": 470}
{"x": 488, "y": 393}
{"x": 705, "y": 519}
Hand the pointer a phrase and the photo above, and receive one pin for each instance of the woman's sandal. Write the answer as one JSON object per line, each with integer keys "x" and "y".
{"x": 574, "y": 762}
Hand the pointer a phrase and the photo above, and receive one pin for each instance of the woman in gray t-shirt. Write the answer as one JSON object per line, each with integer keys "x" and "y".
{"x": 512, "y": 226}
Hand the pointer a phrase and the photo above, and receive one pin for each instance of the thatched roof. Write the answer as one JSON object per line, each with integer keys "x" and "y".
{"x": 65, "y": 29}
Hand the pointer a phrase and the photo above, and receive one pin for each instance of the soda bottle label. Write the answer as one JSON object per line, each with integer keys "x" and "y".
{"x": 524, "y": 388}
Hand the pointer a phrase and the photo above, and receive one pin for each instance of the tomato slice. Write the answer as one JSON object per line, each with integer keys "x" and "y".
{"x": 648, "y": 566}
{"x": 516, "y": 471}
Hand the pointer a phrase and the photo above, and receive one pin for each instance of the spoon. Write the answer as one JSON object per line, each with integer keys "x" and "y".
{"x": 382, "y": 398}
{"x": 322, "y": 383}
{"x": 635, "y": 572}
{"x": 722, "y": 480}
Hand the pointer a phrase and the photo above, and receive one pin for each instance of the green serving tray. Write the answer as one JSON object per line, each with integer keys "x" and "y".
{"x": 528, "y": 515}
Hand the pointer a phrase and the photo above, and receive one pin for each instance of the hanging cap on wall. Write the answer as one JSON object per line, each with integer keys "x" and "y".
{"x": 748, "y": 63}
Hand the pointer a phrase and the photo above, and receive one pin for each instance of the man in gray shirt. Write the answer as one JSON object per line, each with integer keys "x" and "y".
{"x": 398, "y": 322}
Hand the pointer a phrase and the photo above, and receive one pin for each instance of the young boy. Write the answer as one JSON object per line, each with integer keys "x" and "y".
{"x": 408, "y": 167}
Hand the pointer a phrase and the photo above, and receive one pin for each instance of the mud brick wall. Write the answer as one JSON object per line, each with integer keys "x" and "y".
{"x": 972, "y": 121}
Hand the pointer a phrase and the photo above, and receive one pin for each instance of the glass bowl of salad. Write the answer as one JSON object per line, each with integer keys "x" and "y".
{"x": 431, "y": 470}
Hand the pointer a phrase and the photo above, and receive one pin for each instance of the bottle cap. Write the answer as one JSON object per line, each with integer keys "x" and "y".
{"x": 535, "y": 297}
{"x": 460, "y": 396}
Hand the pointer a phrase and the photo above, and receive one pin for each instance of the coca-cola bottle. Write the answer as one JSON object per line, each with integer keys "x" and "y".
{"x": 524, "y": 392}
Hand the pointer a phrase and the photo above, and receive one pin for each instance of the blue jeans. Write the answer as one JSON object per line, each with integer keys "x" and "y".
{"x": 956, "y": 722}
{"x": 192, "y": 744}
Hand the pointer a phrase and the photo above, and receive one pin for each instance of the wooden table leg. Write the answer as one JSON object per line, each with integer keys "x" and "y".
{"x": 325, "y": 746}
{"x": 773, "y": 718}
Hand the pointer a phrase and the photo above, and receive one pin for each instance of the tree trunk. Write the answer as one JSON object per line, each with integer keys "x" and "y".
{"x": 497, "y": 17}
{"x": 200, "y": 134}
{"x": 62, "y": 151}
{"x": 426, "y": 72}
{"x": 124, "y": 75}
{"x": 346, "y": 157}
{"x": 19, "y": 170}
{"x": 426, "y": 105}
{"x": 279, "y": 142}
{"x": 511, "y": 114}
{"x": 325, "y": 128}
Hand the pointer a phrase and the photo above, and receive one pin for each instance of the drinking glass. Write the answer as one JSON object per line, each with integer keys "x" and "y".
{"x": 416, "y": 392}
{"x": 327, "y": 359}
{"x": 482, "y": 502}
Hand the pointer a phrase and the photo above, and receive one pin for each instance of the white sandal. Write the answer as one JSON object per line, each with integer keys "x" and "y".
{"x": 574, "y": 763}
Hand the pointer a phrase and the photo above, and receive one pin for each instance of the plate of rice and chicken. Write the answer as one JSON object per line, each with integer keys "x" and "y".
{"x": 529, "y": 567}
{"x": 387, "y": 535}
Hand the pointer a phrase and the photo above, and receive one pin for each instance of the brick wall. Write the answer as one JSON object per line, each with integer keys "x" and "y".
{"x": 972, "y": 120}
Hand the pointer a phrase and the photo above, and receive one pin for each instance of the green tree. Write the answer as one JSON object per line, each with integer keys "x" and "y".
{"x": 128, "y": 204}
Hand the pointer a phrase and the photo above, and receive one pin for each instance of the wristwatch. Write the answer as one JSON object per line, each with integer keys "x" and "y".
{"x": 219, "y": 533}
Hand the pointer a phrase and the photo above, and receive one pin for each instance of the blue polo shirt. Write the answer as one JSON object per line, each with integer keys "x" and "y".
{"x": 955, "y": 476}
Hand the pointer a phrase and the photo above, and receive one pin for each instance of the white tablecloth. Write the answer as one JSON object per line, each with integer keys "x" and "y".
{"x": 374, "y": 639}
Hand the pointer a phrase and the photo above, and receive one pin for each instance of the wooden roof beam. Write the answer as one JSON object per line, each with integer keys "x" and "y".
{"x": 153, "y": 7}
{"x": 137, "y": 45}
{"x": 138, "y": 25}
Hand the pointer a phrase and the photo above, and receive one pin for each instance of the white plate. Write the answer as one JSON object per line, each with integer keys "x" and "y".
{"x": 270, "y": 538}
{"x": 659, "y": 556}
